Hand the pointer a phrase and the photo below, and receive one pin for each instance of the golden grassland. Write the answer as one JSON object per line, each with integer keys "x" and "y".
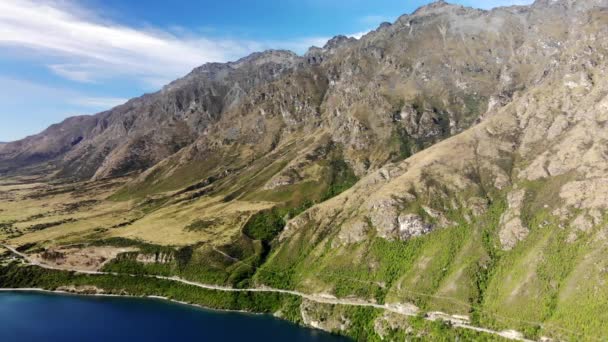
{"x": 167, "y": 225}
{"x": 52, "y": 215}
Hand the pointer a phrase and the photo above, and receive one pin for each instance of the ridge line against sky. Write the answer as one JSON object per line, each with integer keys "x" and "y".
{"x": 66, "y": 57}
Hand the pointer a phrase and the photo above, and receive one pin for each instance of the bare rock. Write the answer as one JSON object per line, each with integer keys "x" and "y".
{"x": 354, "y": 231}
{"x": 411, "y": 225}
{"x": 512, "y": 229}
{"x": 586, "y": 194}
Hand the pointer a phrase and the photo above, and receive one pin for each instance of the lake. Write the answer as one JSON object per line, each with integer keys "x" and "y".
{"x": 31, "y": 316}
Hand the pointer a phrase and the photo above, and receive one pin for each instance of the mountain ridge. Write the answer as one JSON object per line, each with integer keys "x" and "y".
{"x": 215, "y": 69}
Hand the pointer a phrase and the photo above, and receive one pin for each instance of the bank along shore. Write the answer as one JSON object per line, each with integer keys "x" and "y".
{"x": 71, "y": 291}
{"x": 77, "y": 293}
{"x": 409, "y": 310}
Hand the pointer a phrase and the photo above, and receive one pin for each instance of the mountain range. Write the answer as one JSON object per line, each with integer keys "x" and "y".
{"x": 454, "y": 160}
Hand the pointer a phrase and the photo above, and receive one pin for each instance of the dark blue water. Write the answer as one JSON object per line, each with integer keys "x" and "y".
{"x": 49, "y": 317}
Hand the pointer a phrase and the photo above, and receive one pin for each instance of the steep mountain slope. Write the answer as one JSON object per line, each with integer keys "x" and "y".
{"x": 454, "y": 160}
{"x": 512, "y": 210}
{"x": 140, "y": 133}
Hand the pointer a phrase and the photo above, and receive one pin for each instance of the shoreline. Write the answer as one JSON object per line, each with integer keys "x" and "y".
{"x": 201, "y": 307}
{"x": 166, "y": 300}
{"x": 455, "y": 320}
{"x": 153, "y": 297}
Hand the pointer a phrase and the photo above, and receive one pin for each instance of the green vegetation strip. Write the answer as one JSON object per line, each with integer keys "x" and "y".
{"x": 14, "y": 275}
{"x": 361, "y": 320}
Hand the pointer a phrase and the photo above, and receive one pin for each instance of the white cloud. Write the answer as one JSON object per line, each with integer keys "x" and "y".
{"x": 20, "y": 91}
{"x": 98, "y": 102}
{"x": 358, "y": 35}
{"x": 79, "y": 46}
{"x": 76, "y": 44}
{"x": 27, "y": 107}
{"x": 74, "y": 72}
{"x": 489, "y": 4}
{"x": 24, "y": 93}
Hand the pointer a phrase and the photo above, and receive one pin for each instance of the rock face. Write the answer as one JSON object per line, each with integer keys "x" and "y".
{"x": 513, "y": 230}
{"x": 526, "y": 185}
{"x": 411, "y": 225}
{"x": 551, "y": 126}
{"x": 158, "y": 258}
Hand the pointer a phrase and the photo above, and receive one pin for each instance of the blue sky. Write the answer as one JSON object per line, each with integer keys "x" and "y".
{"x": 69, "y": 57}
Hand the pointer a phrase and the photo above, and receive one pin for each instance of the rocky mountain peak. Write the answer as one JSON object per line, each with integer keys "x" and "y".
{"x": 384, "y": 25}
{"x": 338, "y": 41}
{"x": 282, "y": 57}
{"x": 545, "y": 3}
{"x": 313, "y": 51}
{"x": 435, "y": 7}
{"x": 570, "y": 4}
{"x": 316, "y": 55}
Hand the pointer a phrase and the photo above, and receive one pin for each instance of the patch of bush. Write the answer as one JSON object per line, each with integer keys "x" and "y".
{"x": 200, "y": 225}
{"x": 42, "y": 226}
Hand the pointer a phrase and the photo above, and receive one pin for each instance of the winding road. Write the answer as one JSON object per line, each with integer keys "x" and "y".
{"x": 406, "y": 310}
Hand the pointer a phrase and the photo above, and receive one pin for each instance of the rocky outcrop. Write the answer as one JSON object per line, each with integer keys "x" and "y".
{"x": 512, "y": 230}
{"x": 411, "y": 225}
{"x": 156, "y": 258}
{"x": 323, "y": 317}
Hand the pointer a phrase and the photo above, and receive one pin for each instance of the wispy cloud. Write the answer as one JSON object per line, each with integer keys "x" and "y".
{"x": 79, "y": 46}
{"x": 488, "y": 4}
{"x": 28, "y": 107}
{"x": 358, "y": 35}
{"x": 13, "y": 90}
{"x": 76, "y": 44}
{"x": 98, "y": 102}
